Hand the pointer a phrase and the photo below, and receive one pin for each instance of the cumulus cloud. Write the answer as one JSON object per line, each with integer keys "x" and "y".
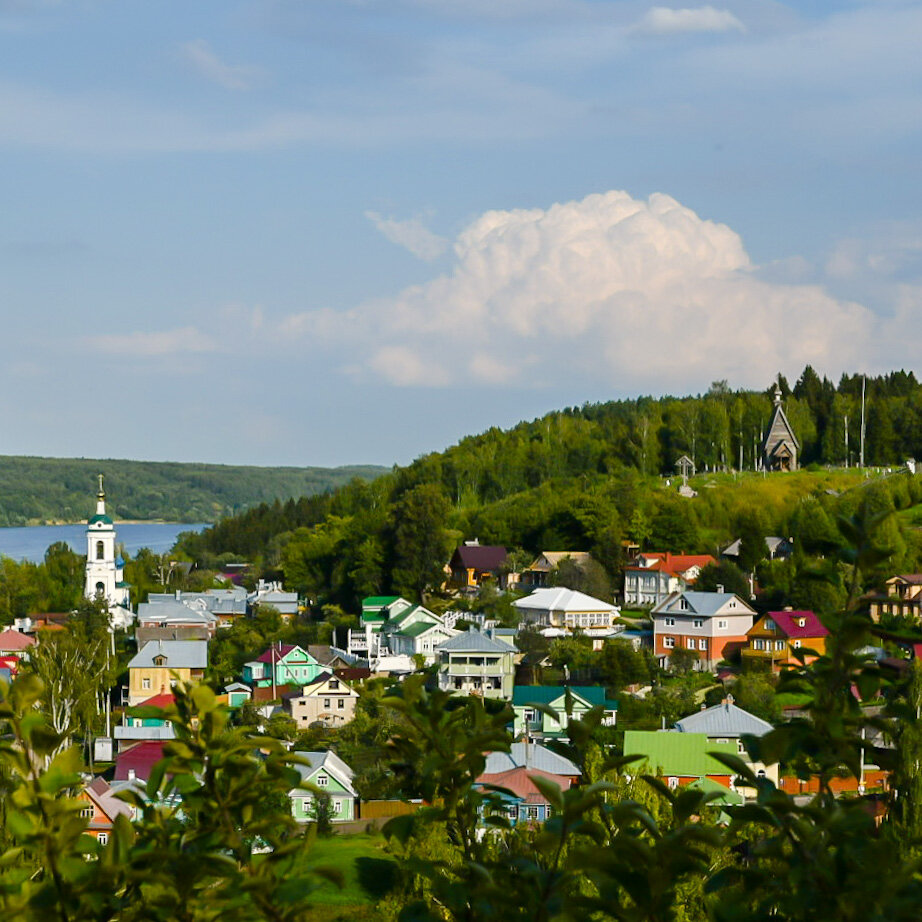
{"x": 412, "y": 235}
{"x": 155, "y": 343}
{"x": 611, "y": 289}
{"x": 232, "y": 77}
{"x": 661, "y": 20}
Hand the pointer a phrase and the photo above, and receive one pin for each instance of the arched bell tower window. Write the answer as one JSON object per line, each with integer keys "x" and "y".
{"x": 100, "y": 590}
{"x": 100, "y": 551}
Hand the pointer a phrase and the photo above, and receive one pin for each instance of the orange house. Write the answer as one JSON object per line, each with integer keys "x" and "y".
{"x": 773, "y": 640}
{"x": 100, "y": 809}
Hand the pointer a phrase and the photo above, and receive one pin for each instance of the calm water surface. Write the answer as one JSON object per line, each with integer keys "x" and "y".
{"x": 30, "y": 543}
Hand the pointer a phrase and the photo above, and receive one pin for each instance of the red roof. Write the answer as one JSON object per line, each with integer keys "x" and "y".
{"x": 789, "y": 624}
{"x": 140, "y": 758}
{"x": 15, "y": 640}
{"x": 479, "y": 557}
{"x": 159, "y": 701}
{"x": 674, "y": 564}
{"x": 276, "y": 653}
{"x": 518, "y": 780}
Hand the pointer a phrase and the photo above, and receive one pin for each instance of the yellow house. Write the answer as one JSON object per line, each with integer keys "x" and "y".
{"x": 160, "y": 664}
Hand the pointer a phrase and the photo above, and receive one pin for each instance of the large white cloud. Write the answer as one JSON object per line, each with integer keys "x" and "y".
{"x": 611, "y": 289}
{"x": 661, "y": 20}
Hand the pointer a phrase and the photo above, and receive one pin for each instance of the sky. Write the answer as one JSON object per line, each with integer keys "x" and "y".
{"x": 322, "y": 232}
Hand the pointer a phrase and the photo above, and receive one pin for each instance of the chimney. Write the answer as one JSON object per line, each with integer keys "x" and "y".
{"x": 132, "y": 774}
{"x": 179, "y": 595}
{"x": 720, "y": 588}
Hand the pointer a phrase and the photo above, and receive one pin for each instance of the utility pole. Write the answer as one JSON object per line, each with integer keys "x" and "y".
{"x": 864, "y": 381}
{"x": 846, "y": 441}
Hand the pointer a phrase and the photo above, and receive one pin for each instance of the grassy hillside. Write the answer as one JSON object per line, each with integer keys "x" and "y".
{"x": 42, "y": 490}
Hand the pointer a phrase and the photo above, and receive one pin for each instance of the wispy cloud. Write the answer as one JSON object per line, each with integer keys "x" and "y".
{"x": 155, "y": 343}
{"x": 232, "y": 77}
{"x": 662, "y": 20}
{"x": 411, "y": 234}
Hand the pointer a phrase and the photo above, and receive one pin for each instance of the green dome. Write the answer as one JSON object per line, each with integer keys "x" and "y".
{"x": 100, "y": 518}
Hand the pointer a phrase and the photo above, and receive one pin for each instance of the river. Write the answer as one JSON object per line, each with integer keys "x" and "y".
{"x": 30, "y": 543}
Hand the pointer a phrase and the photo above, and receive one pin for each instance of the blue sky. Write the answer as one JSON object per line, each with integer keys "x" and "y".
{"x": 345, "y": 231}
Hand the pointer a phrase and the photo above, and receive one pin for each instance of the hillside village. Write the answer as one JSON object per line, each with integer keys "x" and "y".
{"x": 682, "y": 668}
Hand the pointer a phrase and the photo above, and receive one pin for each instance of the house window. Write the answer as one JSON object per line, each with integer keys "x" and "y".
{"x": 669, "y": 642}
{"x": 333, "y": 684}
{"x": 322, "y": 781}
{"x": 699, "y": 622}
{"x": 326, "y": 702}
{"x": 690, "y": 643}
{"x": 669, "y": 622}
{"x": 512, "y": 812}
{"x": 779, "y": 644}
{"x": 702, "y": 644}
{"x": 758, "y": 644}
{"x": 673, "y": 783}
{"x": 683, "y": 604}
{"x": 532, "y": 813}
{"x": 796, "y": 644}
{"x": 145, "y": 684}
{"x": 721, "y": 625}
{"x": 802, "y": 622}
{"x": 336, "y": 806}
{"x": 87, "y": 813}
{"x": 768, "y": 624}
{"x": 103, "y": 838}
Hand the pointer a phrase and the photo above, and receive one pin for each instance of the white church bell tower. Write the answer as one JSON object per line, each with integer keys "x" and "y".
{"x": 104, "y": 577}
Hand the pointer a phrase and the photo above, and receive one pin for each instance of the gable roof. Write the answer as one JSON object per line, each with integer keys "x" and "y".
{"x": 788, "y": 623}
{"x": 330, "y": 763}
{"x": 561, "y": 599}
{"x": 139, "y": 758}
{"x": 724, "y": 719}
{"x": 163, "y": 700}
{"x": 14, "y": 641}
{"x": 683, "y": 754}
{"x": 673, "y": 564}
{"x": 173, "y": 612}
{"x": 280, "y": 652}
{"x": 472, "y": 641}
{"x": 531, "y": 756}
{"x": 547, "y": 560}
{"x": 519, "y": 782}
{"x": 478, "y": 557}
{"x": 704, "y": 604}
{"x": 103, "y": 796}
{"x": 593, "y": 695}
{"x": 180, "y": 654}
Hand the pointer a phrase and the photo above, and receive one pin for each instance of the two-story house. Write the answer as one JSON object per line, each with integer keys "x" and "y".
{"x": 326, "y": 772}
{"x": 651, "y": 577}
{"x": 536, "y": 575}
{"x": 711, "y": 624}
{"x": 282, "y": 664}
{"x": 902, "y": 596}
{"x": 327, "y": 700}
{"x": 99, "y": 807}
{"x": 537, "y": 724}
{"x": 678, "y": 758}
{"x": 772, "y": 641}
{"x": 475, "y": 663}
{"x": 474, "y": 563}
{"x": 160, "y": 664}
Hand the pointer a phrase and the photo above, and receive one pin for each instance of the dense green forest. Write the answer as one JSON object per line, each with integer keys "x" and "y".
{"x": 591, "y": 477}
{"x": 36, "y": 491}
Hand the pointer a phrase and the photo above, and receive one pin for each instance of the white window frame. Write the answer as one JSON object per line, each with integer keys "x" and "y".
{"x": 690, "y": 643}
{"x": 322, "y": 781}
{"x": 702, "y": 644}
{"x": 669, "y": 643}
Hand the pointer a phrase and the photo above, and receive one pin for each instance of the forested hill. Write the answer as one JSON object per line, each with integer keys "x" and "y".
{"x": 583, "y": 478}
{"x": 40, "y": 490}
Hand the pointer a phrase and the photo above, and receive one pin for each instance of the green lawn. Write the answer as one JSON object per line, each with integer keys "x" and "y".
{"x": 368, "y": 871}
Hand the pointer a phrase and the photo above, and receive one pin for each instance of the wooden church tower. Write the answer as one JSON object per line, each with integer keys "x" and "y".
{"x": 780, "y": 447}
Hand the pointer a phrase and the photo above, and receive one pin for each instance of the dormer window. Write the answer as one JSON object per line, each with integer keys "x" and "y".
{"x": 801, "y": 622}
{"x": 160, "y": 660}
{"x": 683, "y": 604}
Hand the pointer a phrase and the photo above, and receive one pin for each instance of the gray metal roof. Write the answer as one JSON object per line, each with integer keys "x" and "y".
{"x": 172, "y": 612}
{"x": 473, "y": 641}
{"x": 534, "y": 756}
{"x": 724, "y": 720}
{"x": 328, "y": 761}
{"x": 180, "y": 654}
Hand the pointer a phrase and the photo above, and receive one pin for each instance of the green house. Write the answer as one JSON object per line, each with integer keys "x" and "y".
{"x": 539, "y": 725}
{"x": 290, "y": 663}
{"x": 323, "y": 771}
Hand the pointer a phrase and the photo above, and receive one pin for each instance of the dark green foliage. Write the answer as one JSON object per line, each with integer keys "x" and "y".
{"x": 724, "y": 573}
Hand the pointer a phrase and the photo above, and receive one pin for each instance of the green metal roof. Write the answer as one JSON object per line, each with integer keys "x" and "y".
{"x": 100, "y": 518}
{"x": 414, "y": 630}
{"x": 379, "y": 601}
{"x": 593, "y": 695}
{"x": 670, "y": 753}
